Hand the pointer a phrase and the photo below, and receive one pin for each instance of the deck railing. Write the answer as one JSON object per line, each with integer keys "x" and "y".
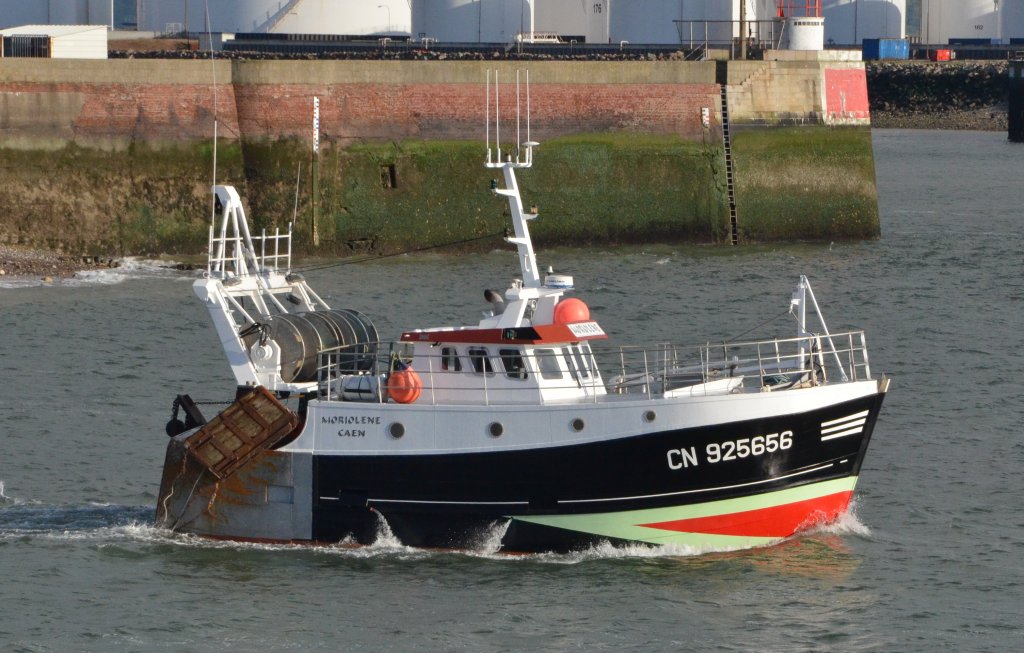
{"x": 665, "y": 370}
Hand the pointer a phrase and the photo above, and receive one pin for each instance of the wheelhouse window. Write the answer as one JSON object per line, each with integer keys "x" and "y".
{"x": 577, "y": 367}
{"x": 547, "y": 363}
{"x": 450, "y": 360}
{"x": 512, "y": 359}
{"x": 582, "y": 360}
{"x": 480, "y": 358}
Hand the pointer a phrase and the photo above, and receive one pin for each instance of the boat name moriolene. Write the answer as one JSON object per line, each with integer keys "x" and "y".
{"x": 523, "y": 430}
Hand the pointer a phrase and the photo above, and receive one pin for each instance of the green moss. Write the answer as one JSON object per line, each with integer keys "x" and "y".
{"x": 802, "y": 183}
{"x": 608, "y": 188}
{"x": 805, "y": 183}
{"x": 143, "y": 200}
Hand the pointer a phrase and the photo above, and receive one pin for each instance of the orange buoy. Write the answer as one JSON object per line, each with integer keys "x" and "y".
{"x": 571, "y": 310}
{"x": 404, "y": 385}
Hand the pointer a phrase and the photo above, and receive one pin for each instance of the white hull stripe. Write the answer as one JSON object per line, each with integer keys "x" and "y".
{"x": 849, "y": 425}
{"x": 833, "y": 422}
{"x": 643, "y": 496}
{"x": 842, "y": 434}
{"x": 844, "y": 426}
{"x": 447, "y": 503}
{"x": 706, "y": 489}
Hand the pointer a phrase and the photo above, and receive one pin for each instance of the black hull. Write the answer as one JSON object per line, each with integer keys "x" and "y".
{"x": 460, "y": 500}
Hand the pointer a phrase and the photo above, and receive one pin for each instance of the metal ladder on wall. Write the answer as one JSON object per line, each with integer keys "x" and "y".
{"x": 730, "y": 177}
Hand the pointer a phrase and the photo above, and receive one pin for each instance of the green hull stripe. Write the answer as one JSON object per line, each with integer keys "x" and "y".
{"x": 623, "y": 525}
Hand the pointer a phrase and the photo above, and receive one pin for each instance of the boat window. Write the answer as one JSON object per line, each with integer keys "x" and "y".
{"x": 567, "y": 354}
{"x": 547, "y": 363}
{"x": 581, "y": 362}
{"x": 481, "y": 361}
{"x": 450, "y": 360}
{"x": 512, "y": 359}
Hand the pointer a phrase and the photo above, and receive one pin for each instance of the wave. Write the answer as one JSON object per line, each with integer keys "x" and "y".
{"x": 126, "y": 269}
{"x": 104, "y": 523}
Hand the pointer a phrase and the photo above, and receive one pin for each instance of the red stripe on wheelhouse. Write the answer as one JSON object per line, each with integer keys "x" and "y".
{"x": 777, "y": 521}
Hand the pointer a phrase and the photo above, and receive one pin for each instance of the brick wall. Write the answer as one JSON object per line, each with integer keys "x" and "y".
{"x": 435, "y": 111}
{"x": 97, "y": 104}
{"x": 118, "y": 101}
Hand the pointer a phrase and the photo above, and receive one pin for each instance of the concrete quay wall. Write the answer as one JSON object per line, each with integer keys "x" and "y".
{"x": 122, "y": 149}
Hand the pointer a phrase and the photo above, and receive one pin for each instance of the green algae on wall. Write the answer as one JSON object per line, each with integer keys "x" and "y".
{"x": 142, "y": 200}
{"x": 607, "y": 189}
{"x": 801, "y": 183}
{"x": 805, "y": 183}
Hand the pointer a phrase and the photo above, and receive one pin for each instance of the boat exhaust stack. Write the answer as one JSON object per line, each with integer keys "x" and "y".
{"x": 496, "y": 300}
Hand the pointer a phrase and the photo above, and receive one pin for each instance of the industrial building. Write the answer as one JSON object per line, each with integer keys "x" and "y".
{"x": 55, "y": 41}
{"x": 175, "y": 16}
{"x": 656, "y": 22}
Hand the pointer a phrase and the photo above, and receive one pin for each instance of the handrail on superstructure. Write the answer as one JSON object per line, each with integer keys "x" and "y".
{"x": 650, "y": 372}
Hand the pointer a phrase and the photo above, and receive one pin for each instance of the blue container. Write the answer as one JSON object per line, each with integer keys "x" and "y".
{"x": 885, "y": 49}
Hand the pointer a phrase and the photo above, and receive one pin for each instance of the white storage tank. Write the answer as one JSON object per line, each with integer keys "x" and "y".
{"x": 356, "y": 17}
{"x": 676, "y": 21}
{"x": 942, "y": 20}
{"x": 472, "y": 21}
{"x": 849, "y": 22}
{"x": 1011, "y": 27}
{"x": 19, "y": 12}
{"x": 54, "y": 12}
{"x": 586, "y": 21}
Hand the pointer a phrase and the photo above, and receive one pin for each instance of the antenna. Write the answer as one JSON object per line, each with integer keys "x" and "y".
{"x": 298, "y": 177}
{"x": 518, "y": 139}
{"x": 213, "y": 66}
{"x": 521, "y": 159}
{"x": 487, "y": 115}
{"x": 529, "y": 150}
{"x": 497, "y": 116}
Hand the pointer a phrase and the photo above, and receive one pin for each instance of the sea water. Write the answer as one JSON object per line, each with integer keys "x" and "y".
{"x": 930, "y": 557}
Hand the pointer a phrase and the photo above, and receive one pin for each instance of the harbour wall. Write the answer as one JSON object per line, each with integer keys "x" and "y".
{"x": 116, "y": 155}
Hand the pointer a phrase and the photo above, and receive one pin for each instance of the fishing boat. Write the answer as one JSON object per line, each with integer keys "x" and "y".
{"x": 524, "y": 429}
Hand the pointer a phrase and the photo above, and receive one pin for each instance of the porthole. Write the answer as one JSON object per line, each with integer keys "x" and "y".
{"x": 396, "y": 430}
{"x": 650, "y": 416}
{"x": 577, "y": 425}
{"x": 495, "y": 429}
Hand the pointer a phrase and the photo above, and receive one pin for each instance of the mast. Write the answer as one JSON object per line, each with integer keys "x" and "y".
{"x": 523, "y": 158}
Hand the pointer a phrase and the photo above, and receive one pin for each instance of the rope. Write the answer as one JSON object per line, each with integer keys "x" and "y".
{"x": 757, "y": 326}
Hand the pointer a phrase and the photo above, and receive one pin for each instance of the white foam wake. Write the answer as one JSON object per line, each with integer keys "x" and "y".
{"x": 126, "y": 269}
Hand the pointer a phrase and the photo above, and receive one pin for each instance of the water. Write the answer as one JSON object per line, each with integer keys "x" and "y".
{"x": 930, "y": 558}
